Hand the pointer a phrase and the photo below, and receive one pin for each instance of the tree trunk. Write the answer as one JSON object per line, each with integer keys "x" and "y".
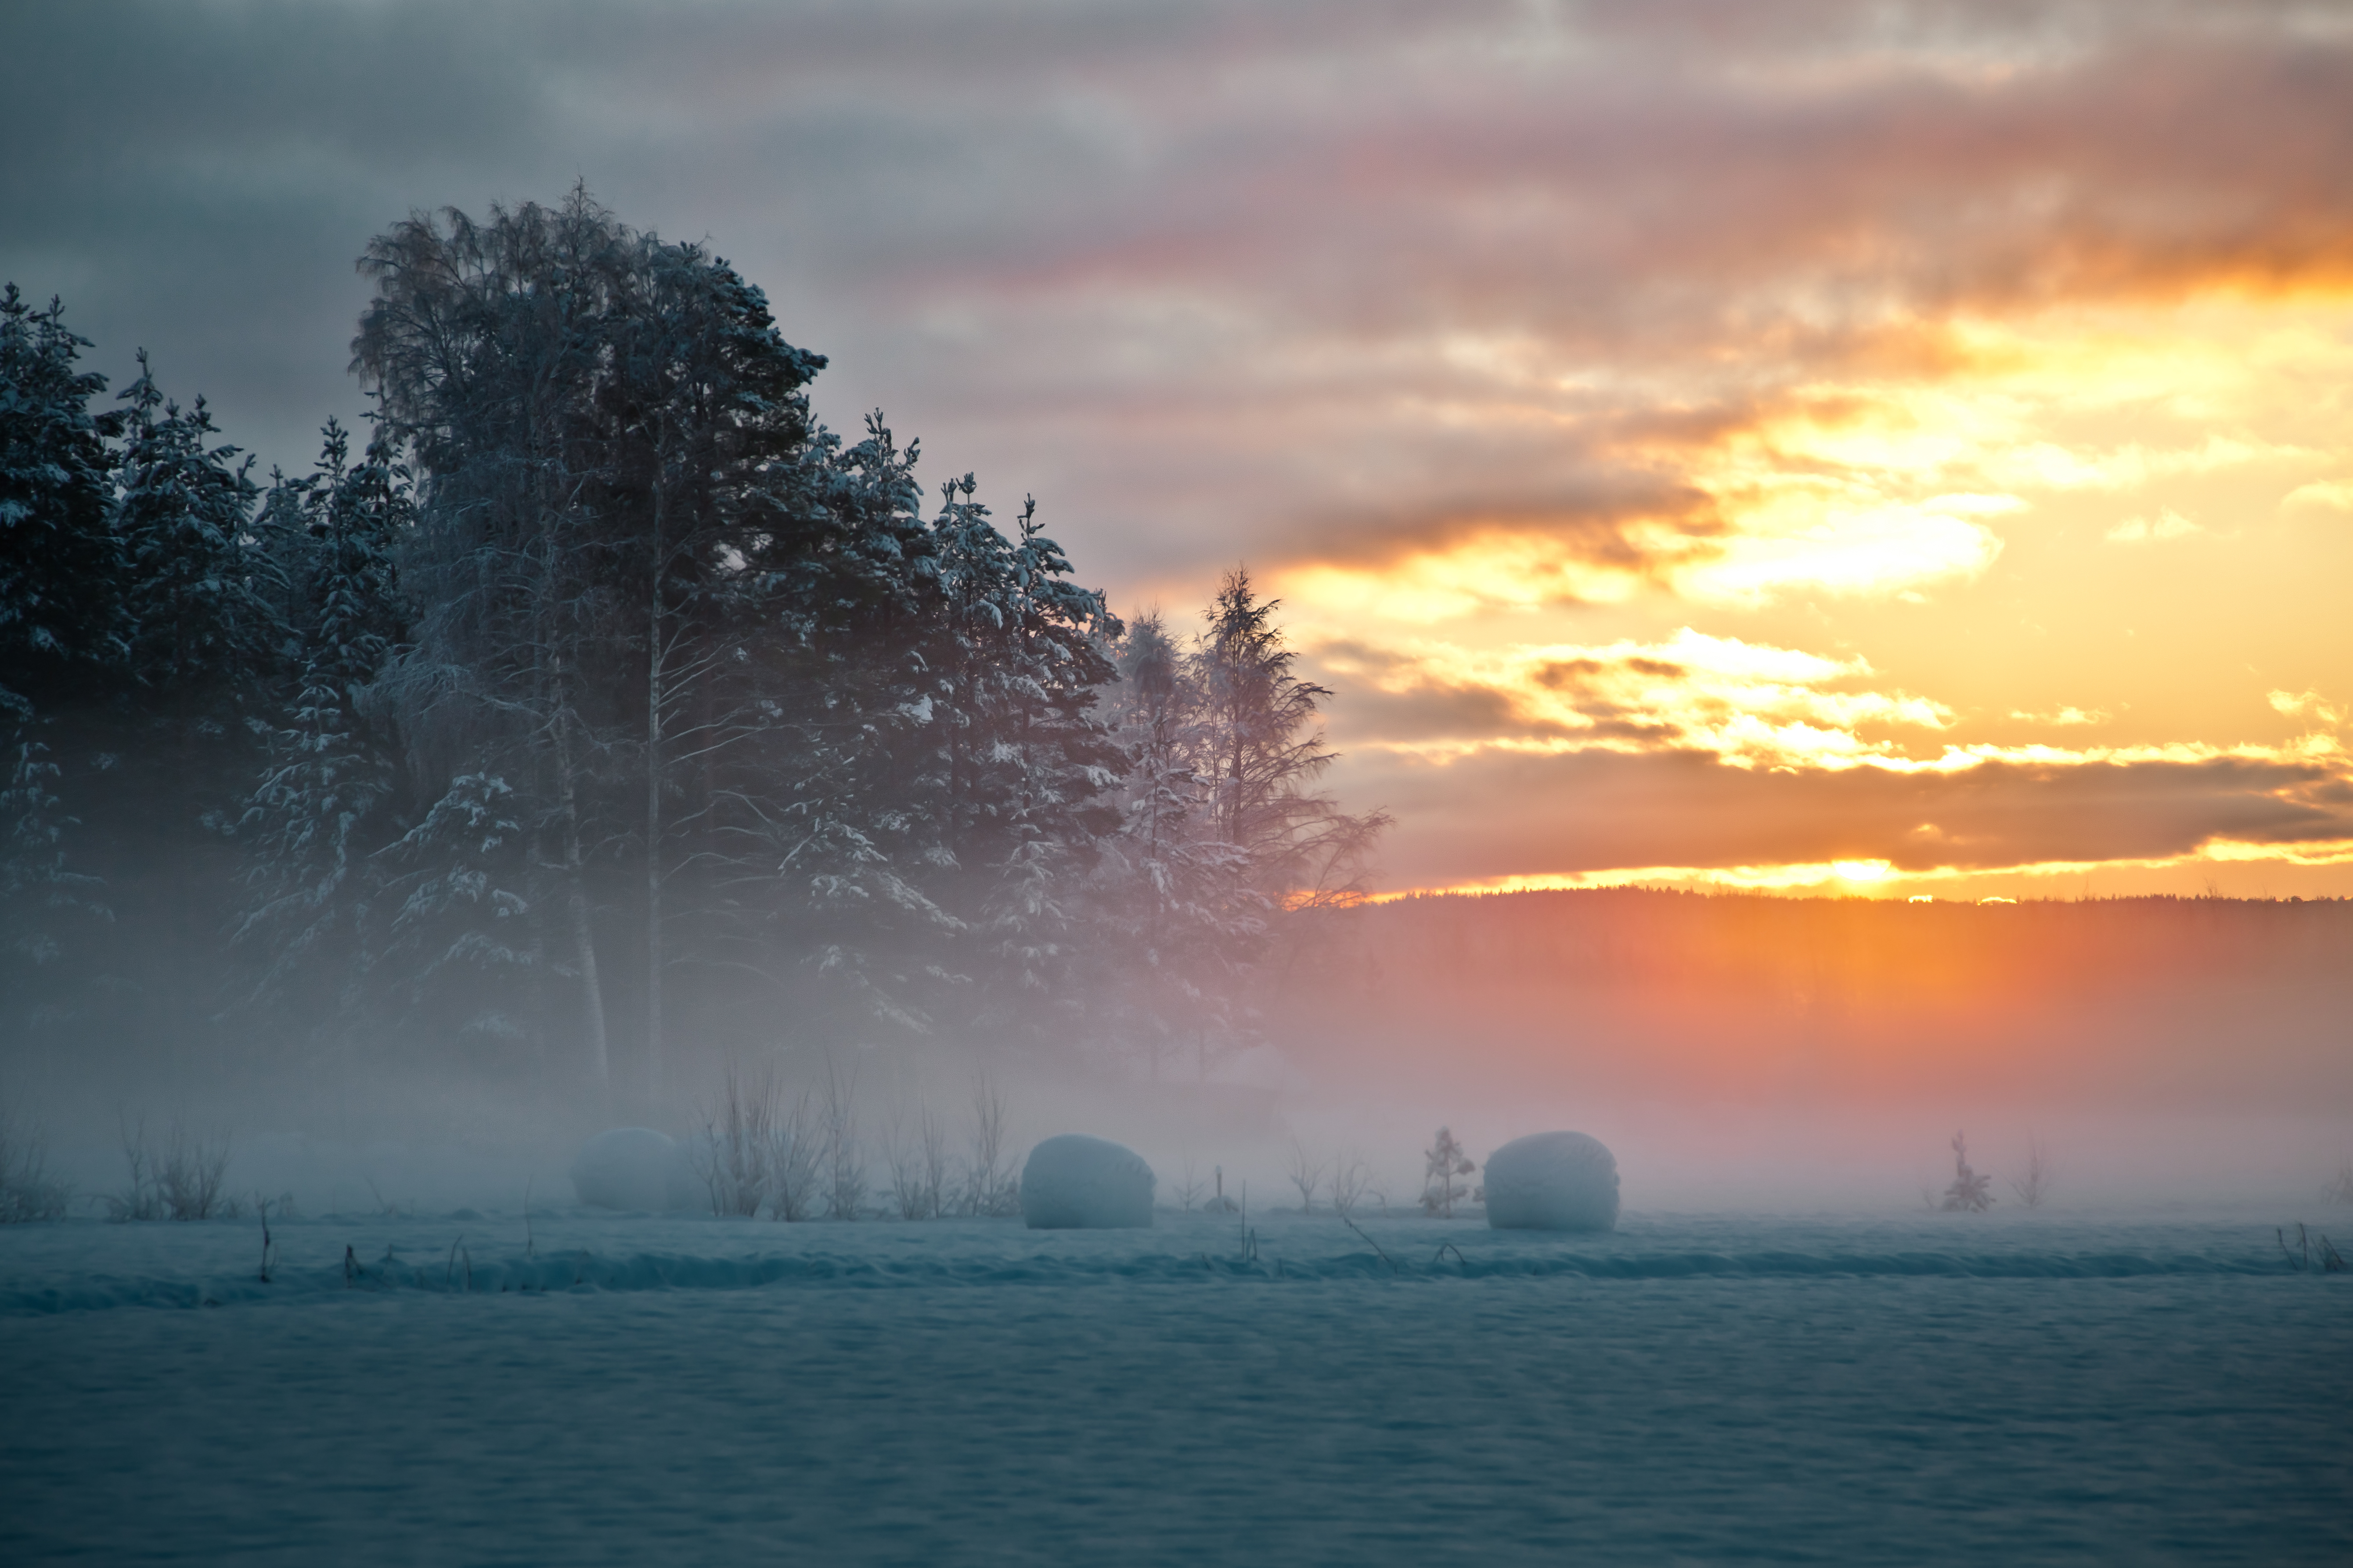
{"x": 654, "y": 697}
{"x": 584, "y": 933}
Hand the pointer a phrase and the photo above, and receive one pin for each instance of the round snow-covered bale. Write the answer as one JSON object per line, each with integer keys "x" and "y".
{"x": 635, "y": 1168}
{"x": 1077, "y": 1182}
{"x": 1552, "y": 1181}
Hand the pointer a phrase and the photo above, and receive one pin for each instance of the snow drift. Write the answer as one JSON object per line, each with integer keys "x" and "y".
{"x": 1552, "y": 1181}
{"x": 635, "y": 1168}
{"x": 1076, "y": 1183}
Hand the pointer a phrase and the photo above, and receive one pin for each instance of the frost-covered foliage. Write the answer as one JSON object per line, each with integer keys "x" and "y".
{"x": 605, "y": 700}
{"x": 1441, "y": 1163}
{"x": 1971, "y": 1193}
{"x": 2033, "y": 1189}
{"x": 141, "y": 646}
{"x": 61, "y": 625}
{"x": 183, "y": 1176}
{"x": 321, "y": 806}
{"x": 1223, "y": 833}
{"x": 59, "y": 561}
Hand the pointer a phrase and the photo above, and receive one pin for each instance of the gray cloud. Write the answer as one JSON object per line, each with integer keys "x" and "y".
{"x": 1176, "y": 268}
{"x": 1214, "y": 281}
{"x": 1498, "y": 815}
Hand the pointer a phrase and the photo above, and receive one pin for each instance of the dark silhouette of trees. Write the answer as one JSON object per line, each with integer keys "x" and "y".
{"x": 604, "y": 699}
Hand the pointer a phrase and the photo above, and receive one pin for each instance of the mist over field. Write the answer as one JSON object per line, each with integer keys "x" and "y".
{"x": 1176, "y": 781}
{"x": 1738, "y": 1053}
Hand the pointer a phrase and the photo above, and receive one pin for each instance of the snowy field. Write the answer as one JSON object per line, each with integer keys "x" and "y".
{"x": 1690, "y": 1389}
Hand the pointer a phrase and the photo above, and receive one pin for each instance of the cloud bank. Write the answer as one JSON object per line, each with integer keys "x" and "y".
{"x": 1696, "y": 438}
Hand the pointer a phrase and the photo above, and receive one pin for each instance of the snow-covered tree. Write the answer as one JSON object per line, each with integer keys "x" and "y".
{"x": 1441, "y": 1163}
{"x": 1181, "y": 919}
{"x": 1028, "y": 763}
{"x": 60, "y": 618}
{"x": 200, "y": 598}
{"x": 60, "y": 559}
{"x": 1225, "y": 844}
{"x": 599, "y": 421}
{"x": 1970, "y": 1192}
{"x": 321, "y": 806}
{"x": 1265, "y": 752}
{"x": 458, "y": 947}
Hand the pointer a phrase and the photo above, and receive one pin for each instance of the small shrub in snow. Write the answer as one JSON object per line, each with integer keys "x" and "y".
{"x": 918, "y": 1158}
{"x": 795, "y": 1177}
{"x": 1441, "y": 1163}
{"x": 26, "y": 1192}
{"x": 1970, "y": 1192}
{"x": 2340, "y": 1191}
{"x": 990, "y": 1186}
{"x": 1306, "y": 1174}
{"x": 845, "y": 1163}
{"x": 1350, "y": 1180}
{"x": 183, "y": 1179}
{"x": 740, "y": 1150}
{"x": 2034, "y": 1190}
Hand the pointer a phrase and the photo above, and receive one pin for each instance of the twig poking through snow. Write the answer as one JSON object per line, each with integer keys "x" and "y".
{"x": 1370, "y": 1242}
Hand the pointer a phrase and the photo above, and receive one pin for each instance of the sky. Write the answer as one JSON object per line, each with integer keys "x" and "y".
{"x": 1903, "y": 450}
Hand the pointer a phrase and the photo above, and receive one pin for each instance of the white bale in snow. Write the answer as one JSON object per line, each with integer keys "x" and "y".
{"x": 635, "y": 1168}
{"x": 1552, "y": 1181}
{"x": 1076, "y": 1183}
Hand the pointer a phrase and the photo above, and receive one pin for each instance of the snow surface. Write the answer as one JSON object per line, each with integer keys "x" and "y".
{"x": 1072, "y": 1181}
{"x": 1552, "y": 1181}
{"x": 1942, "y": 1389}
{"x": 635, "y": 1168}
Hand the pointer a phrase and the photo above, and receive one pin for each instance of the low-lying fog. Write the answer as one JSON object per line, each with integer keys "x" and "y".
{"x": 1736, "y": 1054}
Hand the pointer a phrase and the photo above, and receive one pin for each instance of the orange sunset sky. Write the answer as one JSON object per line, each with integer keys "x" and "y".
{"x": 1902, "y": 449}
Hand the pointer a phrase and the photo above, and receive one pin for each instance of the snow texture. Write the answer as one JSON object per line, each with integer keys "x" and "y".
{"x": 635, "y": 1168}
{"x": 589, "y": 1388}
{"x": 1552, "y": 1181}
{"x": 1076, "y": 1183}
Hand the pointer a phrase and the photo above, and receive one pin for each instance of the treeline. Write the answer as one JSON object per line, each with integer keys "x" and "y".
{"x": 599, "y": 699}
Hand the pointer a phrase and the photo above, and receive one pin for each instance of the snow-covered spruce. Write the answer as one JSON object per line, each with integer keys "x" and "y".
{"x": 635, "y": 1168}
{"x": 1076, "y": 1183}
{"x": 1552, "y": 1181}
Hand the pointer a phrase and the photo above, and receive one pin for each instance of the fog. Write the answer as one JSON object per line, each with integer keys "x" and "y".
{"x": 1736, "y": 1053}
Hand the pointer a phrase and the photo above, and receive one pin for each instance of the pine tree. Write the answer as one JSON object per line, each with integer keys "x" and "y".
{"x": 1970, "y": 1193}
{"x": 59, "y": 566}
{"x": 611, "y": 437}
{"x": 61, "y": 619}
{"x": 199, "y": 598}
{"x": 452, "y": 939}
{"x": 1265, "y": 753}
{"x": 1180, "y": 917}
{"x": 321, "y": 808}
{"x": 1441, "y": 1163}
{"x": 826, "y": 823}
{"x": 1029, "y": 764}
